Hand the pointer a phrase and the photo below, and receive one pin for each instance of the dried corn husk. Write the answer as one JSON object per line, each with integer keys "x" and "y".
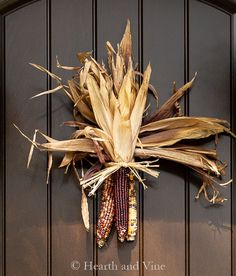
{"x": 108, "y": 109}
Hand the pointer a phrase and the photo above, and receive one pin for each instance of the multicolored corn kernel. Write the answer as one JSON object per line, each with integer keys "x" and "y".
{"x": 121, "y": 202}
{"x": 106, "y": 213}
{"x": 133, "y": 219}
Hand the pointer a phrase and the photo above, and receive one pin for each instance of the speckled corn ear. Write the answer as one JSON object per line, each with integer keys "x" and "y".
{"x": 121, "y": 202}
{"x": 106, "y": 213}
{"x": 133, "y": 220}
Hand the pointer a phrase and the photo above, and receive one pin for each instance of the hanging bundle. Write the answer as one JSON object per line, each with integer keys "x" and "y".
{"x": 108, "y": 108}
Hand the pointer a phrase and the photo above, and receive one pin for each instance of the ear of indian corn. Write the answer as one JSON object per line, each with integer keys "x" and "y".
{"x": 121, "y": 202}
{"x": 132, "y": 221}
{"x": 106, "y": 213}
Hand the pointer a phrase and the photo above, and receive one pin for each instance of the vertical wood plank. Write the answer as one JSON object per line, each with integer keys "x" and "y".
{"x": 233, "y": 150}
{"x": 209, "y": 47}
{"x": 2, "y": 146}
{"x": 164, "y": 200}
{"x": 26, "y": 190}
{"x": 111, "y": 21}
{"x": 71, "y": 32}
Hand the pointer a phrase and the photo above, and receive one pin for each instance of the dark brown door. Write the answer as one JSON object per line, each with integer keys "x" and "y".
{"x": 41, "y": 226}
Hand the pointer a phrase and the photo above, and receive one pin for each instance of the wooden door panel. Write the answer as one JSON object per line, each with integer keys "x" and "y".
{"x": 71, "y": 31}
{"x": 42, "y": 229}
{"x": 164, "y": 200}
{"x": 25, "y": 190}
{"x": 209, "y": 52}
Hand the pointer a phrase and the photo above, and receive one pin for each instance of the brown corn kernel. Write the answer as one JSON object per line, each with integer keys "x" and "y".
{"x": 133, "y": 221}
{"x": 121, "y": 202}
{"x": 106, "y": 213}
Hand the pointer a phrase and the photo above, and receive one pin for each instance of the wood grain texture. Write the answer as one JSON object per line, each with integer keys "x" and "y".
{"x": 26, "y": 190}
{"x": 209, "y": 49}
{"x": 71, "y": 32}
{"x": 164, "y": 204}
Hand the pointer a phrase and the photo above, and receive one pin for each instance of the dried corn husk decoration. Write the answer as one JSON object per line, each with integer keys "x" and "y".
{"x": 108, "y": 108}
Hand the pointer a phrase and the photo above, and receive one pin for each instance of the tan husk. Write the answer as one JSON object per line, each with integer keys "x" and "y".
{"x": 84, "y": 201}
{"x": 108, "y": 108}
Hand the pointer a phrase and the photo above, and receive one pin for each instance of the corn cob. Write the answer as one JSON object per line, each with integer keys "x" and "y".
{"x": 133, "y": 221}
{"x": 106, "y": 213}
{"x": 121, "y": 202}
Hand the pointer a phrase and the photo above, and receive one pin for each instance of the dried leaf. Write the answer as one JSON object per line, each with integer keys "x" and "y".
{"x": 192, "y": 128}
{"x": 73, "y": 145}
{"x": 110, "y": 53}
{"x": 49, "y": 165}
{"x": 82, "y": 56}
{"x": 69, "y": 68}
{"x": 150, "y": 87}
{"x": 179, "y": 122}
{"x": 41, "y": 68}
{"x": 84, "y": 73}
{"x": 166, "y": 110}
{"x": 68, "y": 158}
{"x": 84, "y": 202}
{"x": 81, "y": 105}
{"x": 48, "y": 92}
{"x": 139, "y": 106}
{"x": 122, "y": 138}
{"x": 85, "y": 210}
{"x": 101, "y": 110}
{"x": 126, "y": 94}
{"x": 31, "y": 148}
{"x": 118, "y": 72}
{"x": 125, "y": 49}
{"x": 181, "y": 156}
